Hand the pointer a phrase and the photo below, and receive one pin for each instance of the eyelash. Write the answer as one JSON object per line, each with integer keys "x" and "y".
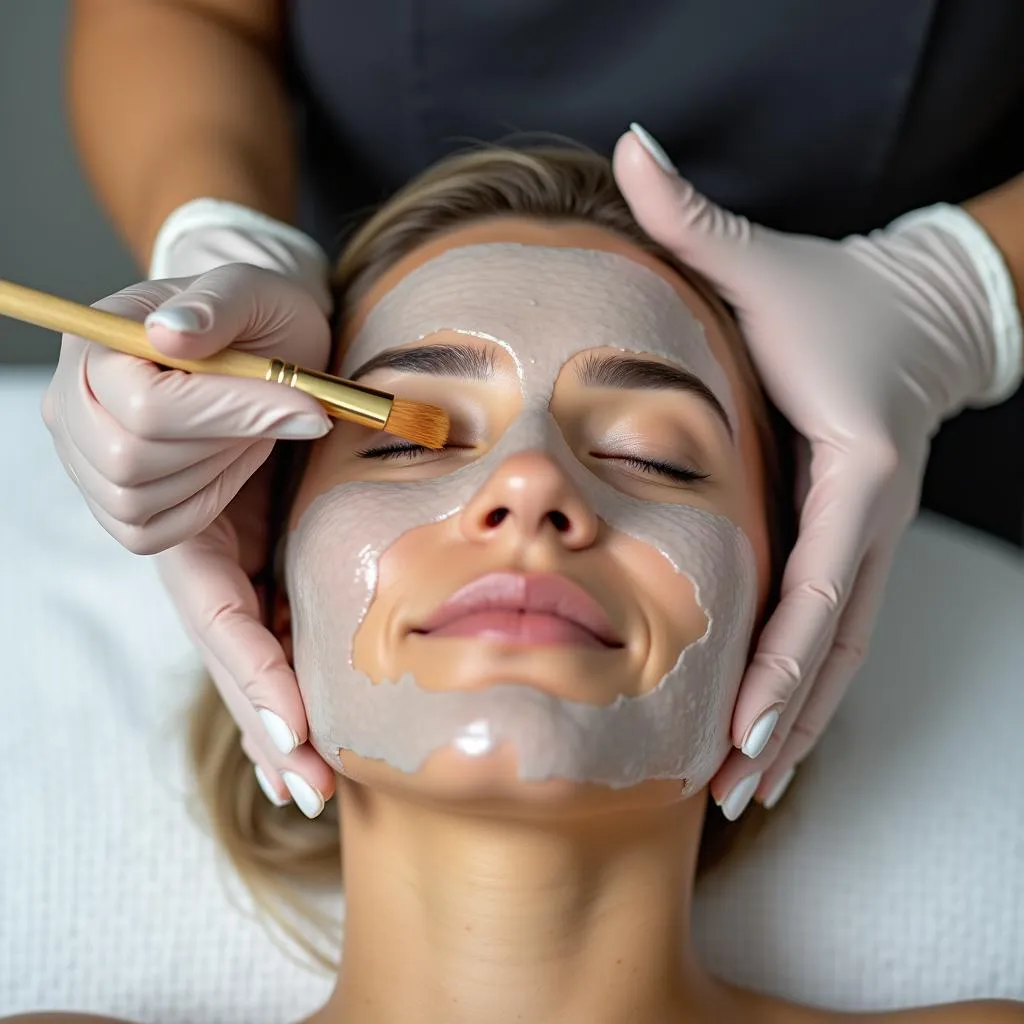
{"x": 396, "y": 451}
{"x": 655, "y": 467}
{"x": 680, "y": 474}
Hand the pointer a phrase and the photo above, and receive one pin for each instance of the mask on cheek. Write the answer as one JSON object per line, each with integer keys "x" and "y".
{"x": 543, "y": 305}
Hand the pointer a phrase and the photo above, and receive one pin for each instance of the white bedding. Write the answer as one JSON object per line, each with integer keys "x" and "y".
{"x": 892, "y": 874}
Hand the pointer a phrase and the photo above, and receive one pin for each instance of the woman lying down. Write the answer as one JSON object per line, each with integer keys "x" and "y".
{"x": 521, "y": 653}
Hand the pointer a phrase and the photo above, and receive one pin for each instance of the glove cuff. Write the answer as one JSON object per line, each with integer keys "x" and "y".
{"x": 997, "y": 283}
{"x": 208, "y": 233}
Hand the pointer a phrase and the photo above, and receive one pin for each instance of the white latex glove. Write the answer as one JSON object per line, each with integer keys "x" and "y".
{"x": 160, "y": 455}
{"x": 865, "y": 345}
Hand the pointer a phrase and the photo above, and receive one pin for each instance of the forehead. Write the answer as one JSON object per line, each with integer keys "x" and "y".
{"x": 543, "y": 305}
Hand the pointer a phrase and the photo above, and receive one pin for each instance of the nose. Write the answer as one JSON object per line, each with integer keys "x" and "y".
{"x": 529, "y": 496}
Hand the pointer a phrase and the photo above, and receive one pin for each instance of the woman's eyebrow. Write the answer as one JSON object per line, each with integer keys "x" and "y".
{"x": 463, "y": 361}
{"x": 613, "y": 371}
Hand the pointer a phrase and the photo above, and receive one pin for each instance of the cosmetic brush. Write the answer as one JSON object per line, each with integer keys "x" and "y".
{"x": 415, "y": 421}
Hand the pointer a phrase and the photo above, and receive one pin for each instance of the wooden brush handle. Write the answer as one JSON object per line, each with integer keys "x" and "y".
{"x": 116, "y": 332}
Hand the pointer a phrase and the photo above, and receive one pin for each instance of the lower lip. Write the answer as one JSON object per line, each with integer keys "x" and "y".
{"x": 526, "y": 629}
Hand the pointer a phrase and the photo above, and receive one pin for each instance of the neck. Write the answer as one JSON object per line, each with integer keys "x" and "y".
{"x": 459, "y": 918}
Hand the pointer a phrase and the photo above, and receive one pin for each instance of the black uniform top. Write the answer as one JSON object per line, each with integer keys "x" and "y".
{"x": 820, "y": 116}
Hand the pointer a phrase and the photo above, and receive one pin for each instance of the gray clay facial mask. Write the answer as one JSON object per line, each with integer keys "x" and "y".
{"x": 543, "y": 305}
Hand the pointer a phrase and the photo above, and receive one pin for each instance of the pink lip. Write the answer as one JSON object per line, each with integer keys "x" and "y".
{"x": 538, "y": 609}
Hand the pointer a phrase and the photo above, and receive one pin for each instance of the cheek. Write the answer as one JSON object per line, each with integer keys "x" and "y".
{"x": 417, "y": 556}
{"x": 669, "y": 604}
{"x": 405, "y": 561}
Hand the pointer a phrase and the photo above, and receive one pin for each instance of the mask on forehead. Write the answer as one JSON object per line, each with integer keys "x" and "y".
{"x": 543, "y": 305}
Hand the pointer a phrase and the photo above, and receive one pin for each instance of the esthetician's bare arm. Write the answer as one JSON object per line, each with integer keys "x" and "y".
{"x": 174, "y": 100}
{"x": 1001, "y": 213}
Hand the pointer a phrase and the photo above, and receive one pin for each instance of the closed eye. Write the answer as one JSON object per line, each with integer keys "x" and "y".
{"x": 657, "y": 467}
{"x": 406, "y": 451}
{"x": 392, "y": 451}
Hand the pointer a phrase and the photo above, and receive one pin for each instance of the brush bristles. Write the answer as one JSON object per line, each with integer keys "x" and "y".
{"x": 422, "y": 424}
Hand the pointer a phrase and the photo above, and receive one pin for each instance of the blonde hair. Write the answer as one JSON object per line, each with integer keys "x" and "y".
{"x": 278, "y": 852}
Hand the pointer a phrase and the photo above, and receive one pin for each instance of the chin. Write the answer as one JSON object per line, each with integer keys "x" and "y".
{"x": 489, "y": 786}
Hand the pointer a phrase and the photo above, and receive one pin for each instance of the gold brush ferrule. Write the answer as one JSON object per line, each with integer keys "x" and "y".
{"x": 340, "y": 398}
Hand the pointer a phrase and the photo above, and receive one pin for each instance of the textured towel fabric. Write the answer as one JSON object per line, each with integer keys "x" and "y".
{"x": 891, "y": 875}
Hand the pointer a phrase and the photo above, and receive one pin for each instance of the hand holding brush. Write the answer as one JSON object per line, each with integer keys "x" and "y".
{"x": 173, "y": 463}
{"x": 415, "y": 421}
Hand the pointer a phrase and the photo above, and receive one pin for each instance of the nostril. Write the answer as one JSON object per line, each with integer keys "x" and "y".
{"x": 496, "y": 517}
{"x": 559, "y": 520}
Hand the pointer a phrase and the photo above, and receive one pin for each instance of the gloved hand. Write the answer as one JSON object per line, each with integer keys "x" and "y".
{"x": 865, "y": 345}
{"x": 171, "y": 462}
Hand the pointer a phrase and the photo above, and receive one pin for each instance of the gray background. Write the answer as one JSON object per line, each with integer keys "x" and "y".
{"x": 53, "y": 235}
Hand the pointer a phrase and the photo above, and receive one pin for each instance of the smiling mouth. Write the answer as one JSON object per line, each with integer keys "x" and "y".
{"x": 529, "y": 610}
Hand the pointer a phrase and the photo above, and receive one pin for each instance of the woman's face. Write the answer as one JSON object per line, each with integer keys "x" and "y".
{"x": 525, "y": 582}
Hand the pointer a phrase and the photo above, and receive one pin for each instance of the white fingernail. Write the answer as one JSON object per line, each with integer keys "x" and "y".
{"x": 280, "y": 735}
{"x": 177, "y": 318}
{"x": 778, "y": 789}
{"x": 309, "y": 801}
{"x": 304, "y": 426}
{"x": 739, "y": 796}
{"x": 651, "y": 144}
{"x": 760, "y": 733}
{"x": 268, "y": 790}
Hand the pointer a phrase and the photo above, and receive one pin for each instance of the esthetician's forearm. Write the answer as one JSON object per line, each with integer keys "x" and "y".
{"x": 179, "y": 99}
{"x": 1001, "y": 213}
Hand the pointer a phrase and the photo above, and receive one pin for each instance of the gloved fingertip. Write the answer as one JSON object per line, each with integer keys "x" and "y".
{"x": 775, "y": 794}
{"x": 652, "y": 147}
{"x": 268, "y": 790}
{"x": 760, "y": 732}
{"x": 736, "y": 801}
{"x": 308, "y": 798}
{"x": 190, "y": 319}
{"x": 302, "y": 427}
{"x": 281, "y": 734}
